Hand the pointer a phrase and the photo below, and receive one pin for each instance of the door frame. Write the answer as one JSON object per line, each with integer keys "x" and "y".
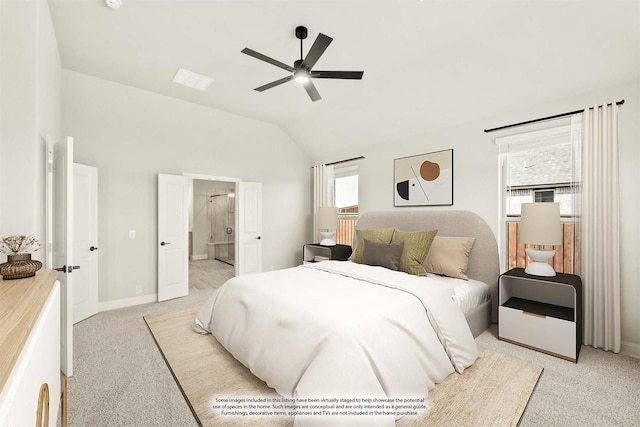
{"x": 204, "y": 177}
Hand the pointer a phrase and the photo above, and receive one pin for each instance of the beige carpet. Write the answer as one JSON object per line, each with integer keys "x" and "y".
{"x": 493, "y": 392}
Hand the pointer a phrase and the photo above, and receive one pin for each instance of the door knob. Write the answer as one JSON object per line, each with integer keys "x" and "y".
{"x": 65, "y": 269}
{"x": 165, "y": 243}
{"x": 93, "y": 248}
{"x": 259, "y": 237}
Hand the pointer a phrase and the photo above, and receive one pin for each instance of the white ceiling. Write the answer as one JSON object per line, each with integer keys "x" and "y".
{"x": 427, "y": 64}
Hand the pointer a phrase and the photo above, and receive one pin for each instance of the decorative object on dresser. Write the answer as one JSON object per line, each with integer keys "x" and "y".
{"x": 540, "y": 225}
{"x": 424, "y": 180}
{"x": 315, "y": 252}
{"x": 328, "y": 224}
{"x": 541, "y": 313}
{"x": 19, "y": 264}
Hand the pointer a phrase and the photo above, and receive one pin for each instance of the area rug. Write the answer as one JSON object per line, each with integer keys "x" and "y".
{"x": 492, "y": 392}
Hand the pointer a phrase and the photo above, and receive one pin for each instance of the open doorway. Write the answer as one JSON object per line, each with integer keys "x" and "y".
{"x": 212, "y": 233}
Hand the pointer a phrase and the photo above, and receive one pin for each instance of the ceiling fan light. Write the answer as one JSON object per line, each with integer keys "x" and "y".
{"x": 301, "y": 77}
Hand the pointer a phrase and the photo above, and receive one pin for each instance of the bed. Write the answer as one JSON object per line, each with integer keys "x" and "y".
{"x": 483, "y": 264}
{"x": 339, "y": 330}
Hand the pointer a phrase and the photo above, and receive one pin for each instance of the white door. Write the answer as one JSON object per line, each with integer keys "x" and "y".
{"x": 173, "y": 236}
{"x": 249, "y": 256}
{"x": 59, "y": 248}
{"x": 85, "y": 241}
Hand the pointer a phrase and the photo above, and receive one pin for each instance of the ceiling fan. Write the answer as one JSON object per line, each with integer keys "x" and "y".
{"x": 302, "y": 71}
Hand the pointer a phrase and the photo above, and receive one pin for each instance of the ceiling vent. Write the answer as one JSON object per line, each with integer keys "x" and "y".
{"x": 192, "y": 80}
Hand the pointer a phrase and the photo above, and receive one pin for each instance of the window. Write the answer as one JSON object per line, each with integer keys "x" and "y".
{"x": 346, "y": 200}
{"x": 543, "y": 196}
{"x": 539, "y": 166}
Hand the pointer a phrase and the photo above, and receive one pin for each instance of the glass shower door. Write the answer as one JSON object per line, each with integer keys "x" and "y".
{"x": 223, "y": 227}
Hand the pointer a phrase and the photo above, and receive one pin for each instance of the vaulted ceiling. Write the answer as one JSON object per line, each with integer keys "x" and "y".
{"x": 427, "y": 64}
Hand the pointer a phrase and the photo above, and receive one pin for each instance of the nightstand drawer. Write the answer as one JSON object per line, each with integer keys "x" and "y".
{"x": 545, "y": 333}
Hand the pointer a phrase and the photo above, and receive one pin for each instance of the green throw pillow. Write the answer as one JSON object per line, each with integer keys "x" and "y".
{"x": 416, "y": 249}
{"x": 380, "y": 235}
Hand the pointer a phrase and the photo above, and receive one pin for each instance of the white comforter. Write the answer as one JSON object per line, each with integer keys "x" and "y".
{"x": 340, "y": 329}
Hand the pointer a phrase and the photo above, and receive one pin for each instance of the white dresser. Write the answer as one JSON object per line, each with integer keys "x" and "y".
{"x": 30, "y": 350}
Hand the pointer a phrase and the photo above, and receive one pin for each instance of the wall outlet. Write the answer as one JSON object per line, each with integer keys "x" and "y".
{"x": 132, "y": 234}
{"x": 138, "y": 290}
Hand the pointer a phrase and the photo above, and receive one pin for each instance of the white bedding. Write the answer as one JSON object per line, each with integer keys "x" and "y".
{"x": 341, "y": 329}
{"x": 468, "y": 294}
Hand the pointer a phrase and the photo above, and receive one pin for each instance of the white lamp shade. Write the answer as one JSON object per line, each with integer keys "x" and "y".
{"x": 540, "y": 224}
{"x": 327, "y": 218}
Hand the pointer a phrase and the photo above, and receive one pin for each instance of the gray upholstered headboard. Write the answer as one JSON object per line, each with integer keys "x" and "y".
{"x": 484, "y": 264}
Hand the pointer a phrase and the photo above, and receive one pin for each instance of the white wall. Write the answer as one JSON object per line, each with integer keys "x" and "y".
{"x": 131, "y": 135}
{"x": 30, "y": 108}
{"x": 476, "y": 175}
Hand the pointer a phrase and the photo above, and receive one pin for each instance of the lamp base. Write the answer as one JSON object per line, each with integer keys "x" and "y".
{"x": 327, "y": 238}
{"x": 540, "y": 267}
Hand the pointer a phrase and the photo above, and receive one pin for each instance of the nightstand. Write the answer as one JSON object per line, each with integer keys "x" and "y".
{"x": 314, "y": 252}
{"x": 541, "y": 313}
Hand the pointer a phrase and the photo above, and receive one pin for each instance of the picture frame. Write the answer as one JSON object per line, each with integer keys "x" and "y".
{"x": 424, "y": 179}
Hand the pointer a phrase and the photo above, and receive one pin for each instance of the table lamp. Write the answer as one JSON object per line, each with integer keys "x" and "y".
{"x": 327, "y": 222}
{"x": 540, "y": 225}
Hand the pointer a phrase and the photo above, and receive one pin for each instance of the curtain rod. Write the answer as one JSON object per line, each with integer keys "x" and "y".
{"x": 557, "y": 116}
{"x": 345, "y": 161}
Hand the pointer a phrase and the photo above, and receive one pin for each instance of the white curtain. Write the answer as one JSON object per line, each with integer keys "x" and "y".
{"x": 323, "y": 192}
{"x": 600, "y": 228}
{"x": 576, "y": 193}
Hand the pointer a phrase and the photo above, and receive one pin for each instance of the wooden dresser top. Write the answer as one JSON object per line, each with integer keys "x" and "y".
{"x": 21, "y": 301}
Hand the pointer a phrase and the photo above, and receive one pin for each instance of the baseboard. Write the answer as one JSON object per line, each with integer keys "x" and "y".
{"x": 199, "y": 257}
{"x": 630, "y": 349}
{"x": 127, "y": 302}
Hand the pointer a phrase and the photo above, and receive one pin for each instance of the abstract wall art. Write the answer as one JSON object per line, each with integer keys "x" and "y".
{"x": 424, "y": 180}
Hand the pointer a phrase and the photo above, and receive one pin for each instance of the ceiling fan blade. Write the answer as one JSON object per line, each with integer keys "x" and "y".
{"x": 317, "y": 49}
{"x": 312, "y": 91}
{"x": 273, "y": 84}
{"x": 337, "y": 74}
{"x": 265, "y": 58}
